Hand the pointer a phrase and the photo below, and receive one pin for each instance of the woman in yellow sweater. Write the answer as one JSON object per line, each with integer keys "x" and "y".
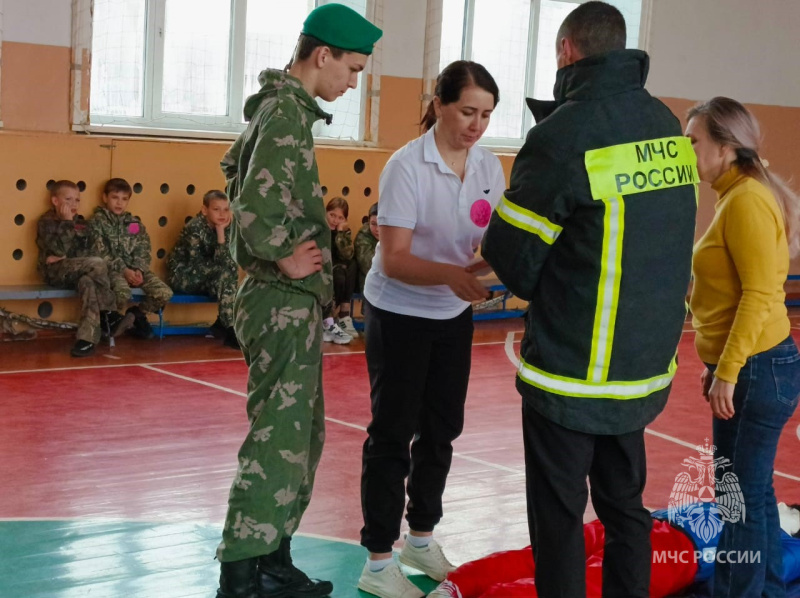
{"x": 752, "y": 379}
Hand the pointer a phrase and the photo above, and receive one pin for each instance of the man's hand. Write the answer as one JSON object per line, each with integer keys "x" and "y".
{"x": 52, "y": 259}
{"x": 306, "y": 260}
{"x": 720, "y": 396}
{"x": 133, "y": 277}
{"x": 465, "y": 285}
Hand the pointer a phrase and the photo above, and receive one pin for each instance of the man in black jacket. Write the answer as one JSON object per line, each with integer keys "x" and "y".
{"x": 596, "y": 231}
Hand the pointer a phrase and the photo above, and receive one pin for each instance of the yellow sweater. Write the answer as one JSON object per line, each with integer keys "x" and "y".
{"x": 739, "y": 266}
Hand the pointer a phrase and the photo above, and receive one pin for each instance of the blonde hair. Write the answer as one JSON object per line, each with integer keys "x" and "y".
{"x": 730, "y": 124}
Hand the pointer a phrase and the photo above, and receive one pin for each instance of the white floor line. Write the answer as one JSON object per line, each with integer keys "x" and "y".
{"x": 328, "y": 419}
{"x": 509, "y": 346}
{"x": 71, "y": 368}
{"x": 195, "y": 380}
{"x": 117, "y": 365}
{"x": 183, "y": 362}
{"x": 134, "y": 365}
{"x": 510, "y": 353}
{"x": 346, "y": 424}
{"x": 671, "y": 438}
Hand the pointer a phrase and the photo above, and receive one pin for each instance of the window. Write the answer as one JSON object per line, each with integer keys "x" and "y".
{"x": 191, "y": 64}
{"x": 515, "y": 40}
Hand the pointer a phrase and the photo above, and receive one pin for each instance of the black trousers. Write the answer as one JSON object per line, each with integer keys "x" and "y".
{"x": 557, "y": 463}
{"x": 418, "y": 372}
{"x": 345, "y": 276}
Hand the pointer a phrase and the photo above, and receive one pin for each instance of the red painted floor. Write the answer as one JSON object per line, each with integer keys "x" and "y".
{"x": 158, "y": 442}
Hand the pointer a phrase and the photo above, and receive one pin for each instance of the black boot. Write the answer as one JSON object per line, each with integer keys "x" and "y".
{"x": 114, "y": 323}
{"x": 279, "y": 578}
{"x": 237, "y": 579}
{"x": 141, "y": 327}
{"x": 230, "y": 338}
{"x": 82, "y": 349}
{"x": 216, "y": 330}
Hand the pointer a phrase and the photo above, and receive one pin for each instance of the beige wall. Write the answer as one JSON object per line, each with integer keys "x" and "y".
{"x": 744, "y": 49}
{"x": 699, "y": 48}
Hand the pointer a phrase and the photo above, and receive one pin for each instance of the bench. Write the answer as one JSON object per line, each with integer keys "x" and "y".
{"x": 162, "y": 329}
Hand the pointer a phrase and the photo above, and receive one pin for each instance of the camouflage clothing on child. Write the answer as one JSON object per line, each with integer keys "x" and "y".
{"x": 342, "y": 246}
{"x": 69, "y": 239}
{"x": 276, "y": 201}
{"x": 365, "y": 250}
{"x": 199, "y": 264}
{"x": 123, "y": 242}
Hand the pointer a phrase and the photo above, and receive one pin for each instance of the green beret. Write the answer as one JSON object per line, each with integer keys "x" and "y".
{"x": 342, "y": 27}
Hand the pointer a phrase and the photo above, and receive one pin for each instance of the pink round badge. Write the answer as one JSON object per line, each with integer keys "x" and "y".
{"x": 480, "y": 212}
{"x": 133, "y": 228}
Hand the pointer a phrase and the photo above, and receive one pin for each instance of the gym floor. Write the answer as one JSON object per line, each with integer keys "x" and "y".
{"x": 116, "y": 467}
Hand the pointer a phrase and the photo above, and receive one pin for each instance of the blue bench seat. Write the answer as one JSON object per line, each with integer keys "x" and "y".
{"x": 162, "y": 329}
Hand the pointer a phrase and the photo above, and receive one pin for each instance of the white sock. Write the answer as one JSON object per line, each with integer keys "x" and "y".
{"x": 379, "y": 564}
{"x": 418, "y": 541}
{"x": 327, "y": 323}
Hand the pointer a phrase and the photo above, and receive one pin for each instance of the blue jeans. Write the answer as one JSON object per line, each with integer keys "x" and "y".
{"x": 764, "y": 399}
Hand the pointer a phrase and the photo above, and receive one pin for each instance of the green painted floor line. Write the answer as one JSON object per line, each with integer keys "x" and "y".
{"x": 102, "y": 559}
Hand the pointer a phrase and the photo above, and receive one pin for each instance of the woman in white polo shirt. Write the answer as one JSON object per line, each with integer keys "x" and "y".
{"x": 436, "y": 197}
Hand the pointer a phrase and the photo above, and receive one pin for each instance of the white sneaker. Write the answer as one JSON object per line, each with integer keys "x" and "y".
{"x": 388, "y": 583}
{"x": 346, "y": 324}
{"x": 446, "y": 589}
{"x": 334, "y": 334}
{"x": 430, "y": 560}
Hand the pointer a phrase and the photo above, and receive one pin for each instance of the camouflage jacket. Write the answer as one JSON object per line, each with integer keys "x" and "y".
{"x": 365, "y": 250}
{"x": 342, "y": 246}
{"x": 62, "y": 238}
{"x": 122, "y": 240}
{"x": 273, "y": 183}
{"x": 197, "y": 245}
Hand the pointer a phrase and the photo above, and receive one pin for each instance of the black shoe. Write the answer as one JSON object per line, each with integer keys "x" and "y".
{"x": 279, "y": 578}
{"x": 216, "y": 330}
{"x": 82, "y": 349}
{"x": 230, "y": 339}
{"x": 237, "y": 579}
{"x": 141, "y": 327}
{"x": 114, "y": 323}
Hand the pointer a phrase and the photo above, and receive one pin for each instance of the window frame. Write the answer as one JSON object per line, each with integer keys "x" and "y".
{"x": 155, "y": 122}
{"x": 512, "y": 143}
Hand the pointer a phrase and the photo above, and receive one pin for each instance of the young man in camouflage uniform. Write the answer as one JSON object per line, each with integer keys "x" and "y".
{"x": 365, "y": 244}
{"x": 64, "y": 263}
{"x": 282, "y": 241}
{"x": 122, "y": 240}
{"x": 201, "y": 263}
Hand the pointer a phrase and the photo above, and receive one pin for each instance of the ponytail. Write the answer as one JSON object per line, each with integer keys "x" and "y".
{"x": 788, "y": 201}
{"x": 730, "y": 124}
{"x": 429, "y": 119}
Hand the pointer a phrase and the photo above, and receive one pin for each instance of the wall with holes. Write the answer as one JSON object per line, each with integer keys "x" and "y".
{"x": 169, "y": 179}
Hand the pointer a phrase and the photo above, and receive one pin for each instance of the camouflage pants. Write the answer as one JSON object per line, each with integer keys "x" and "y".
{"x": 280, "y": 333}
{"x": 89, "y": 276}
{"x": 217, "y": 282}
{"x": 156, "y": 292}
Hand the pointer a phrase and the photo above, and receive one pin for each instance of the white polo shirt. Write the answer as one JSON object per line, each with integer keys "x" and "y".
{"x": 449, "y": 217}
